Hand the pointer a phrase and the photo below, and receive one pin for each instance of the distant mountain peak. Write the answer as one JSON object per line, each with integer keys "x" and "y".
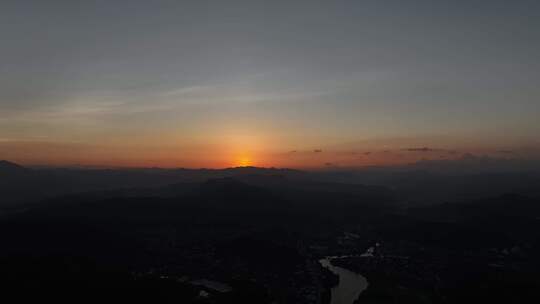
{"x": 9, "y": 167}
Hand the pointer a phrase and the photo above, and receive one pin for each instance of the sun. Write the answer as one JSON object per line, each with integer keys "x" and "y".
{"x": 244, "y": 162}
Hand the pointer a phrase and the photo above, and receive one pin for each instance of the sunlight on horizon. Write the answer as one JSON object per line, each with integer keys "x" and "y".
{"x": 243, "y": 162}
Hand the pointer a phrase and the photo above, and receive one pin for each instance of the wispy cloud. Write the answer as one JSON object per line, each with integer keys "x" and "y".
{"x": 421, "y": 149}
{"x": 233, "y": 93}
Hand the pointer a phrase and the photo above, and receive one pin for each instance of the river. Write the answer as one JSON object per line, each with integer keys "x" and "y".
{"x": 350, "y": 284}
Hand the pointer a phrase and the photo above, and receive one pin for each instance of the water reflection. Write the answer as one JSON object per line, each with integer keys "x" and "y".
{"x": 350, "y": 284}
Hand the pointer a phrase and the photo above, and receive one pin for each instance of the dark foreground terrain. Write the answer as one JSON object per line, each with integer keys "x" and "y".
{"x": 250, "y": 235}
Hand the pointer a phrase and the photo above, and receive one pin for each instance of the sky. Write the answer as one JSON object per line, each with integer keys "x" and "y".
{"x": 267, "y": 83}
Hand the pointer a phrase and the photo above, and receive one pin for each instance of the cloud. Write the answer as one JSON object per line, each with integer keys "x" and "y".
{"x": 422, "y": 149}
{"x": 506, "y": 151}
{"x": 233, "y": 92}
{"x": 317, "y": 151}
{"x": 188, "y": 91}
